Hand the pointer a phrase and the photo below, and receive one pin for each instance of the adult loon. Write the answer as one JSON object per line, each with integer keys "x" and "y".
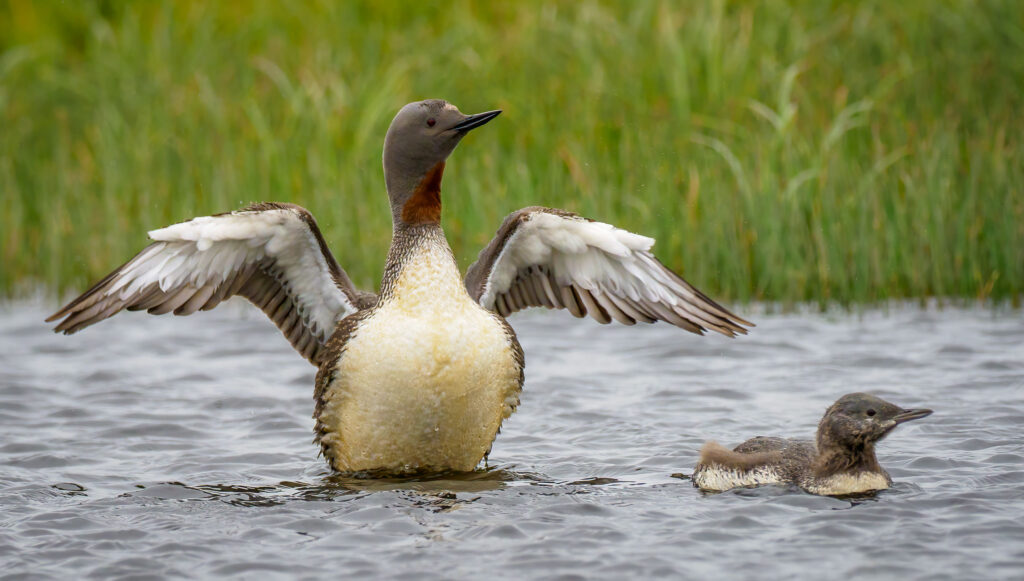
{"x": 420, "y": 377}
{"x": 841, "y": 461}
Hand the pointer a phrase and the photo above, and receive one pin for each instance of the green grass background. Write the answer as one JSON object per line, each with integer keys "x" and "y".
{"x": 818, "y": 151}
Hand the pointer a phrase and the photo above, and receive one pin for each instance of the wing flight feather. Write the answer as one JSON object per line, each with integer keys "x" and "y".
{"x": 270, "y": 253}
{"x": 545, "y": 257}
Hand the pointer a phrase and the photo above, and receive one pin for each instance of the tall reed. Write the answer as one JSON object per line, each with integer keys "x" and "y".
{"x": 778, "y": 151}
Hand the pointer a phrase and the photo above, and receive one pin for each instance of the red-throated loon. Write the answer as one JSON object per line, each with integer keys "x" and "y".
{"x": 841, "y": 460}
{"x": 419, "y": 378}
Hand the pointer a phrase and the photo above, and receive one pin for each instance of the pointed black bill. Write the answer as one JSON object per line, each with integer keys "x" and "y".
{"x": 474, "y": 121}
{"x": 907, "y": 415}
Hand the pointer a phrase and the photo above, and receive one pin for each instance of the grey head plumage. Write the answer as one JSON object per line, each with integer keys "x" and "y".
{"x": 421, "y": 137}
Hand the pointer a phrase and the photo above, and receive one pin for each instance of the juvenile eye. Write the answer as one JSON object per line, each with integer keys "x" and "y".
{"x": 870, "y": 413}
{"x": 431, "y": 122}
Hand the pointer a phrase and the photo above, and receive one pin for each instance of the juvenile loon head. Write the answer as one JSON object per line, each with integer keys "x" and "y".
{"x": 858, "y": 420}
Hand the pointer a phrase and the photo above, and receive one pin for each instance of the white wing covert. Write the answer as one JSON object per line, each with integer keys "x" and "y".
{"x": 270, "y": 253}
{"x": 544, "y": 257}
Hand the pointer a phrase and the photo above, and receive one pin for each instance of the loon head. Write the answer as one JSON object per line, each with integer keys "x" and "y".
{"x": 857, "y": 420}
{"x": 421, "y": 137}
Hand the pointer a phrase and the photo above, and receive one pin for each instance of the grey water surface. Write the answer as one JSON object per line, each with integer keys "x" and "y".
{"x": 160, "y": 447}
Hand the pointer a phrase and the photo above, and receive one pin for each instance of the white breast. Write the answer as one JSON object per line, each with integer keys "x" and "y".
{"x": 425, "y": 382}
{"x": 840, "y": 484}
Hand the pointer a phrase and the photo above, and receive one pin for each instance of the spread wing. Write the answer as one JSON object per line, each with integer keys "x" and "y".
{"x": 272, "y": 254}
{"x": 543, "y": 257}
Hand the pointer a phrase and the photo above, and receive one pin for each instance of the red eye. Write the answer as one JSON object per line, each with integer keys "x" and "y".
{"x": 431, "y": 122}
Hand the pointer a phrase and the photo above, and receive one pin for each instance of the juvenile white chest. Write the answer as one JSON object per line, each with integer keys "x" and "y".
{"x": 425, "y": 381}
{"x": 847, "y": 483}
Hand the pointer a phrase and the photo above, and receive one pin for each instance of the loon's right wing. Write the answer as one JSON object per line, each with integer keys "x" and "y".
{"x": 270, "y": 253}
{"x": 546, "y": 257}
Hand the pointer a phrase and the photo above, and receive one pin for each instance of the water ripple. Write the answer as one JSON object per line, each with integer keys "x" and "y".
{"x": 146, "y": 447}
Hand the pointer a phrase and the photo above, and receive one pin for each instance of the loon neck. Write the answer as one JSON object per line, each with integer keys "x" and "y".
{"x": 416, "y": 200}
{"x": 835, "y": 459}
{"x": 407, "y": 243}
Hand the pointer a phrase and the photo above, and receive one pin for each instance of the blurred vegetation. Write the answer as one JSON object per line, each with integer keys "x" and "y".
{"x": 778, "y": 151}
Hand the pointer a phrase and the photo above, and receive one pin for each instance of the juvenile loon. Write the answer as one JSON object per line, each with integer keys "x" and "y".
{"x": 841, "y": 461}
{"x": 420, "y": 377}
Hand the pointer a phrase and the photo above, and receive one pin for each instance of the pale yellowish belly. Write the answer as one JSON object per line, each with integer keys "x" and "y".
{"x": 421, "y": 390}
